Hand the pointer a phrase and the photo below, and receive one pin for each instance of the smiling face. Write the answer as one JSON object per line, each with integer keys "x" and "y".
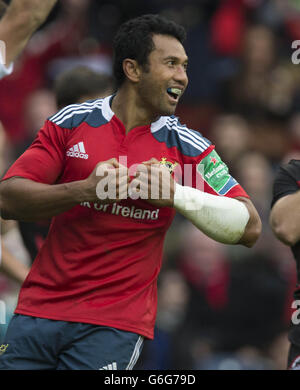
{"x": 164, "y": 79}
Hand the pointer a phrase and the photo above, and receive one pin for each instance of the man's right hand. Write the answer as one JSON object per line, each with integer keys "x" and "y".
{"x": 108, "y": 183}
{"x": 28, "y": 200}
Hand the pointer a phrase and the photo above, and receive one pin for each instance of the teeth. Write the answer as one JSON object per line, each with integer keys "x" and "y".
{"x": 175, "y": 91}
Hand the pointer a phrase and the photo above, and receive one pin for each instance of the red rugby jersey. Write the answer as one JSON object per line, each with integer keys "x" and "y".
{"x": 99, "y": 264}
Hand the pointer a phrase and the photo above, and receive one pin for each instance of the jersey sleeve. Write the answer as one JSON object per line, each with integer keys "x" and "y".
{"x": 213, "y": 176}
{"x": 43, "y": 161}
{"x": 286, "y": 181}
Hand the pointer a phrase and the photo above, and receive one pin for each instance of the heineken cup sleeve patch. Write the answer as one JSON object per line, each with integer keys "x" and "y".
{"x": 216, "y": 174}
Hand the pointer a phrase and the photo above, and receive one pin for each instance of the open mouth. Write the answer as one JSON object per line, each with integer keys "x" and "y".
{"x": 174, "y": 93}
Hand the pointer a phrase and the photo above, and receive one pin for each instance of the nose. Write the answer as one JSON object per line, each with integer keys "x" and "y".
{"x": 180, "y": 76}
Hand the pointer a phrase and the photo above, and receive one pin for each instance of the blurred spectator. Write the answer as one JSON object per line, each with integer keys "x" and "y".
{"x": 39, "y": 105}
{"x": 172, "y": 301}
{"x": 227, "y": 27}
{"x": 263, "y": 87}
{"x": 254, "y": 172}
{"x": 232, "y": 135}
{"x": 294, "y": 133}
{"x": 282, "y": 13}
{"x": 81, "y": 84}
{"x": 172, "y": 304}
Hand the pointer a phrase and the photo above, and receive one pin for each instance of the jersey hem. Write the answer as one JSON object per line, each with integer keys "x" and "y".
{"x": 20, "y": 175}
{"x": 86, "y": 321}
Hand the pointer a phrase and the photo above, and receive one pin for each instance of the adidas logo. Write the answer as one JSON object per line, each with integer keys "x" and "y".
{"x": 78, "y": 151}
{"x": 112, "y": 366}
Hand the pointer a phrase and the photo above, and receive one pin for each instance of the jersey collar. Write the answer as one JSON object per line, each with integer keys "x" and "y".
{"x": 108, "y": 114}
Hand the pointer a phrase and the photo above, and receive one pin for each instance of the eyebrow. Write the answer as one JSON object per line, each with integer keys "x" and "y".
{"x": 176, "y": 58}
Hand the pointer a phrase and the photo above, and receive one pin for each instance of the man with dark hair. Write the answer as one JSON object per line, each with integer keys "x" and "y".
{"x": 108, "y": 174}
{"x": 80, "y": 84}
{"x": 20, "y": 20}
{"x": 134, "y": 40}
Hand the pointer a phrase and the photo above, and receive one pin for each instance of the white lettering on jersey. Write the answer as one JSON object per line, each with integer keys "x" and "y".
{"x": 124, "y": 211}
{"x": 78, "y": 151}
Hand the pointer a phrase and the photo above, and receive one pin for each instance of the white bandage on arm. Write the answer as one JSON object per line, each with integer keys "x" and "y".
{"x": 221, "y": 218}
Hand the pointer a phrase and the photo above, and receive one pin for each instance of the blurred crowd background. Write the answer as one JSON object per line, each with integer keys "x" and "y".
{"x": 219, "y": 306}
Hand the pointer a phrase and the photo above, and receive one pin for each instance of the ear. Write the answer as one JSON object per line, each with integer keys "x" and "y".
{"x": 131, "y": 70}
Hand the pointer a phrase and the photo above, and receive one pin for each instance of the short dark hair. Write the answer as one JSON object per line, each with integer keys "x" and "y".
{"x": 134, "y": 40}
{"x": 79, "y": 82}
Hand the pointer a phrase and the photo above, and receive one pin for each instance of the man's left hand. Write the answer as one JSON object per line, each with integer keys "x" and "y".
{"x": 153, "y": 183}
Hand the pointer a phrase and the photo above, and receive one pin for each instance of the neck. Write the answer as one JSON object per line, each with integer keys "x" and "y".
{"x": 127, "y": 106}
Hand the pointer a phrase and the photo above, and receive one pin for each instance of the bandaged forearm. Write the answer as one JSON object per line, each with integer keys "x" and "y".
{"x": 221, "y": 218}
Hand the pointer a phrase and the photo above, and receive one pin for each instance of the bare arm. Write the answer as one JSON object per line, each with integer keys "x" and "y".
{"x": 254, "y": 225}
{"x": 285, "y": 219}
{"x": 21, "y": 20}
{"x": 27, "y": 200}
{"x": 12, "y": 267}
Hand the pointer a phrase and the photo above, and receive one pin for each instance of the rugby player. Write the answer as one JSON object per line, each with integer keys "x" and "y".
{"x": 285, "y": 223}
{"x": 90, "y": 298}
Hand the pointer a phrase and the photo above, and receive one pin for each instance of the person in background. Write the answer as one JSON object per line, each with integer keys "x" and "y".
{"x": 233, "y": 136}
{"x": 80, "y": 84}
{"x": 285, "y": 223}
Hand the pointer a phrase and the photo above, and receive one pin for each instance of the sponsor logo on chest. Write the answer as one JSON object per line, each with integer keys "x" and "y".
{"x": 124, "y": 211}
{"x": 78, "y": 151}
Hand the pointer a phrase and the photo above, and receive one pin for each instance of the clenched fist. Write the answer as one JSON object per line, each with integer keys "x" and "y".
{"x": 108, "y": 183}
{"x": 153, "y": 183}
